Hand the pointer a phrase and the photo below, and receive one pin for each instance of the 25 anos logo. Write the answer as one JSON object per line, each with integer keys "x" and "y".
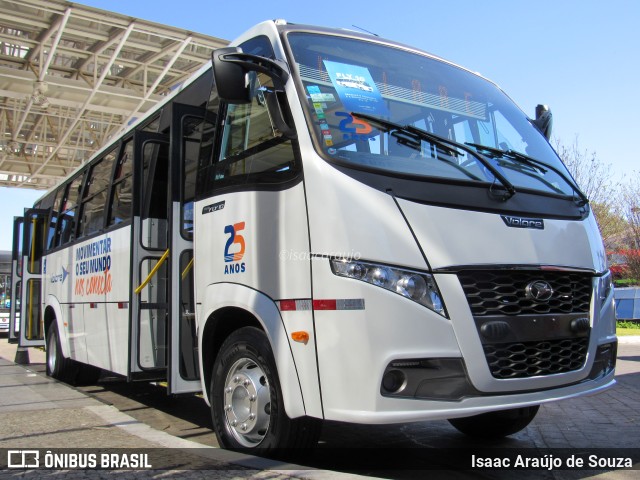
{"x": 234, "y": 249}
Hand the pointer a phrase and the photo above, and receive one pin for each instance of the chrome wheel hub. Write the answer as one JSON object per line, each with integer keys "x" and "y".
{"x": 247, "y": 402}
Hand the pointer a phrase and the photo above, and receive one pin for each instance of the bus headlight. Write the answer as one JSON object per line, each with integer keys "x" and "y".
{"x": 417, "y": 286}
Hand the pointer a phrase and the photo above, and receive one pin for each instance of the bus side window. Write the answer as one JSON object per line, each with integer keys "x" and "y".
{"x": 260, "y": 45}
{"x": 122, "y": 189}
{"x": 55, "y": 212}
{"x": 66, "y": 224}
{"x": 155, "y": 185}
{"x": 95, "y": 195}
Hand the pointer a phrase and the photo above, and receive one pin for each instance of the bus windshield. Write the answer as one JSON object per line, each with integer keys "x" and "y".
{"x": 347, "y": 80}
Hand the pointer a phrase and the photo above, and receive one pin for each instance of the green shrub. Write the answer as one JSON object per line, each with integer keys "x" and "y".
{"x": 627, "y": 324}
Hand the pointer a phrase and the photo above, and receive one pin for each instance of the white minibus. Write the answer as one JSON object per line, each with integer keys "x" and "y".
{"x": 301, "y": 250}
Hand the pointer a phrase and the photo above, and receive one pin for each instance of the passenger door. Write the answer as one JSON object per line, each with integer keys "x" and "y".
{"x": 31, "y": 325}
{"x": 150, "y": 253}
{"x": 16, "y": 279}
{"x": 184, "y": 367}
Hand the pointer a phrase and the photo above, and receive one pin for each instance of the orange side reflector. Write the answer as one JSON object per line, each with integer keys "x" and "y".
{"x": 302, "y": 337}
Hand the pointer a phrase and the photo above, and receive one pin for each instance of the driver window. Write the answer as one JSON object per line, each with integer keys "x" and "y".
{"x": 252, "y": 149}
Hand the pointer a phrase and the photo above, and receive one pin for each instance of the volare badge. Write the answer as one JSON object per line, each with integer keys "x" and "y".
{"x": 522, "y": 222}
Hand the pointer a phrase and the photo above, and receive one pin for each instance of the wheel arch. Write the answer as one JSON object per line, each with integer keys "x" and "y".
{"x": 53, "y": 313}
{"x": 229, "y": 307}
{"x": 218, "y": 327}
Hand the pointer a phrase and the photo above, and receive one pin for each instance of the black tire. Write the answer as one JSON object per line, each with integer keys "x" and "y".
{"x": 495, "y": 425}
{"x": 246, "y": 398}
{"x": 58, "y": 366}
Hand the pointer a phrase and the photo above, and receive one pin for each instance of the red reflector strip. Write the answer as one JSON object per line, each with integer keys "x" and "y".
{"x": 339, "y": 304}
{"x": 93, "y": 305}
{"x": 324, "y": 304}
{"x": 123, "y": 304}
{"x": 294, "y": 305}
{"x": 287, "y": 305}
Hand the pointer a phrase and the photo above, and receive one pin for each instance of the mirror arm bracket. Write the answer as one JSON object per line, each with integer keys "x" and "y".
{"x": 256, "y": 63}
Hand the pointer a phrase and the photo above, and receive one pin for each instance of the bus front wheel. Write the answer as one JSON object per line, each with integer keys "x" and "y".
{"x": 495, "y": 425}
{"x": 246, "y": 398}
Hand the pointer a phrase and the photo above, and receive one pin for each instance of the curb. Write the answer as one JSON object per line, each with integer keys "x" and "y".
{"x": 115, "y": 417}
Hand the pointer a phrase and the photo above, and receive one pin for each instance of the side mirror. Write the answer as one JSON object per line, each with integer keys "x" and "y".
{"x": 231, "y": 79}
{"x": 544, "y": 120}
{"x": 230, "y": 68}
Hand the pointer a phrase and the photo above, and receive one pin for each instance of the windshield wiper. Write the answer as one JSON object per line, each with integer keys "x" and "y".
{"x": 413, "y": 141}
{"x": 406, "y": 133}
{"x": 512, "y": 154}
{"x": 532, "y": 162}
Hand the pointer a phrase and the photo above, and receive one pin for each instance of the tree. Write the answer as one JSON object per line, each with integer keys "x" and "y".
{"x": 596, "y": 180}
{"x": 631, "y": 208}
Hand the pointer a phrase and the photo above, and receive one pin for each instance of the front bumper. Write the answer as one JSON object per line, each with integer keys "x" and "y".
{"x": 356, "y": 348}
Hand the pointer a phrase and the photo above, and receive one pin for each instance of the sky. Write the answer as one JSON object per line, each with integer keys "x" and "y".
{"x": 580, "y": 57}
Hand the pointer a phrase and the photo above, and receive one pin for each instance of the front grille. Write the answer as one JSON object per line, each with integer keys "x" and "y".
{"x": 529, "y": 359}
{"x": 503, "y": 292}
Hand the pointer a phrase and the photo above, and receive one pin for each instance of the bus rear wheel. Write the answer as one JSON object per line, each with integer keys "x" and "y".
{"x": 246, "y": 399}
{"x": 58, "y": 366}
{"x": 495, "y": 425}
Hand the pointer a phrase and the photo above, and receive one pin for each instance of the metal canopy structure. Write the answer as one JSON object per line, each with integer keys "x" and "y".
{"x": 72, "y": 76}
